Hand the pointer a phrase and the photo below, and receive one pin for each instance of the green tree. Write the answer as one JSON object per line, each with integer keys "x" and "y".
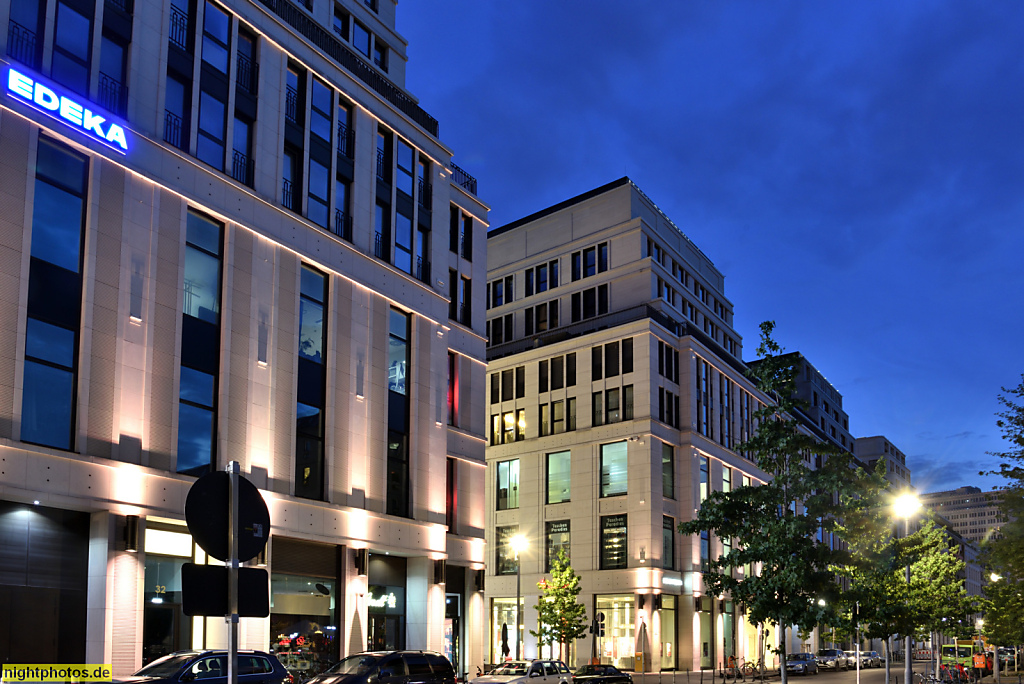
{"x": 775, "y": 527}
{"x": 561, "y": 617}
{"x": 879, "y": 598}
{"x": 1004, "y": 553}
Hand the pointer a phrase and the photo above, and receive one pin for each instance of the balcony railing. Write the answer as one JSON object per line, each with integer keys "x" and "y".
{"x": 342, "y": 225}
{"x": 21, "y": 45}
{"x": 291, "y": 104}
{"x": 464, "y": 179}
{"x": 173, "y": 130}
{"x": 380, "y": 249}
{"x": 179, "y": 28}
{"x": 287, "y": 198}
{"x": 323, "y": 39}
{"x": 113, "y": 94}
{"x": 380, "y": 167}
{"x": 346, "y": 141}
{"x": 422, "y": 270}
{"x": 242, "y": 167}
{"x": 423, "y": 193}
{"x": 126, "y": 6}
{"x": 248, "y": 74}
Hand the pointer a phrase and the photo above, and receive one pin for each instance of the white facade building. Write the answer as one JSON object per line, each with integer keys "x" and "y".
{"x": 229, "y": 233}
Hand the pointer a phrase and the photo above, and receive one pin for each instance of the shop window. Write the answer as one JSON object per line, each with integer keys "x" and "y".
{"x": 614, "y": 548}
{"x": 506, "y": 561}
{"x": 556, "y": 540}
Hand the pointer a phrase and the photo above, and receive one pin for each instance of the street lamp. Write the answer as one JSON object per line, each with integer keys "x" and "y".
{"x": 519, "y": 545}
{"x": 904, "y": 506}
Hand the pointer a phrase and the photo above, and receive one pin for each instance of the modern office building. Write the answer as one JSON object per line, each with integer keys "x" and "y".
{"x": 870, "y": 450}
{"x": 617, "y": 397}
{"x": 974, "y": 514}
{"x": 229, "y": 233}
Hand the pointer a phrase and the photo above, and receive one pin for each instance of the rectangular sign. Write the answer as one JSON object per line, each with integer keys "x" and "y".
{"x": 56, "y": 103}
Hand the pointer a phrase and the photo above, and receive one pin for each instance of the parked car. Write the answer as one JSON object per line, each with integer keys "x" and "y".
{"x": 801, "y": 663}
{"x": 874, "y": 658}
{"x": 527, "y": 672}
{"x": 389, "y": 667}
{"x": 865, "y": 659}
{"x": 254, "y": 667}
{"x": 600, "y": 674}
{"x": 833, "y": 659}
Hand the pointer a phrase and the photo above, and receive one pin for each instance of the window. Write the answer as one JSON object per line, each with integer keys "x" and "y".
{"x": 453, "y": 388}
{"x": 247, "y": 72}
{"x": 51, "y": 347}
{"x": 520, "y": 382}
{"x": 596, "y": 363}
{"x": 545, "y": 420}
{"x": 668, "y": 543}
{"x": 703, "y": 397}
{"x": 318, "y": 204}
{"x": 397, "y": 492}
{"x": 705, "y": 550}
{"x": 506, "y": 560}
{"x": 210, "y": 147}
{"x": 542, "y": 376}
{"x": 557, "y": 417}
{"x": 570, "y": 414}
{"x": 200, "y": 343}
{"x": 454, "y": 216}
{"x": 216, "y": 28}
{"x": 614, "y": 465}
{"x": 113, "y": 58}
{"x": 361, "y": 38}
{"x": 613, "y": 410}
{"x": 613, "y": 542}
{"x": 589, "y": 303}
{"x": 312, "y": 372}
{"x": 177, "y": 103}
{"x": 72, "y": 45}
{"x": 241, "y": 152}
{"x": 291, "y": 181}
{"x": 726, "y": 479}
{"x": 380, "y": 55}
{"x": 508, "y": 485}
{"x": 451, "y": 508}
{"x": 703, "y": 478}
{"x": 507, "y": 387}
{"x": 403, "y": 243}
{"x": 558, "y": 467}
{"x": 668, "y": 471}
{"x": 597, "y": 409}
{"x": 465, "y": 302}
{"x": 467, "y": 238}
{"x": 611, "y": 359}
{"x": 570, "y": 369}
{"x": 627, "y": 402}
{"x": 627, "y": 355}
{"x": 556, "y": 540}
{"x": 557, "y": 372}
{"x": 321, "y": 107}
{"x": 405, "y": 167}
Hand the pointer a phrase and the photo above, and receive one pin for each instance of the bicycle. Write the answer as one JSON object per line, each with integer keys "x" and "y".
{"x": 749, "y": 668}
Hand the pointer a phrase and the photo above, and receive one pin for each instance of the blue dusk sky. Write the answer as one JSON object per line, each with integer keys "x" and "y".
{"x": 855, "y": 169}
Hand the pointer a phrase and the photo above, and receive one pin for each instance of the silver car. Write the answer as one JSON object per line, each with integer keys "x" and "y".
{"x": 833, "y": 659}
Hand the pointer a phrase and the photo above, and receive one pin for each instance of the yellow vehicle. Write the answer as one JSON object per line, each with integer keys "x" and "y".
{"x": 963, "y": 652}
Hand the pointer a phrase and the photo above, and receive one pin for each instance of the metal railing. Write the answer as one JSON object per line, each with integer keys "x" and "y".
{"x": 173, "y": 129}
{"x": 380, "y": 167}
{"x": 21, "y": 45}
{"x": 287, "y": 198}
{"x": 342, "y": 225}
{"x": 462, "y": 178}
{"x": 422, "y": 270}
{"x": 248, "y": 74}
{"x": 323, "y": 39}
{"x": 291, "y": 104}
{"x": 179, "y": 29}
{"x": 346, "y": 141}
{"x": 465, "y": 246}
{"x": 113, "y": 94}
{"x": 242, "y": 167}
{"x": 380, "y": 248}
{"x": 423, "y": 193}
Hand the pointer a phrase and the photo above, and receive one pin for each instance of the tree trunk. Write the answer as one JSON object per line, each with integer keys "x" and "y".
{"x": 783, "y": 675}
{"x": 887, "y": 647}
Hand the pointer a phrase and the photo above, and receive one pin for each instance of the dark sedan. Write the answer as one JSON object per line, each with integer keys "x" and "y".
{"x": 801, "y": 663}
{"x": 601, "y": 674}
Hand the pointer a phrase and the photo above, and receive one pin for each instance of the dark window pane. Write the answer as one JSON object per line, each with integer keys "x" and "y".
{"x": 60, "y": 165}
{"x": 203, "y": 232}
{"x": 50, "y": 343}
{"x": 311, "y": 330}
{"x": 195, "y": 439}
{"x": 202, "y": 285}
{"x": 196, "y": 387}
{"x": 73, "y": 32}
{"x": 46, "y": 406}
{"x": 57, "y": 226}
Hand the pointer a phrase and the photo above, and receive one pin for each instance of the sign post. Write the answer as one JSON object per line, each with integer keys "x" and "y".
{"x": 229, "y": 519}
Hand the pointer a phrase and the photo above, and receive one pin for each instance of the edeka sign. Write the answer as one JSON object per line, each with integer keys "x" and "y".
{"x": 66, "y": 110}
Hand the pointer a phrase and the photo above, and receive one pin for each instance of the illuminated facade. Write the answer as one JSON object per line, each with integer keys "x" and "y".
{"x": 616, "y": 399}
{"x": 230, "y": 234}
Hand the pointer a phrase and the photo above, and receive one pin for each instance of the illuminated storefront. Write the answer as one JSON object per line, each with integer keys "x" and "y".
{"x": 619, "y": 642}
{"x": 668, "y": 631}
{"x": 165, "y": 628}
{"x": 503, "y": 629}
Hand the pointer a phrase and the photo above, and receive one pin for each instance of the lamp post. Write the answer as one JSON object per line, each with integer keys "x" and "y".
{"x": 519, "y": 545}
{"x": 995, "y": 577}
{"x": 906, "y": 505}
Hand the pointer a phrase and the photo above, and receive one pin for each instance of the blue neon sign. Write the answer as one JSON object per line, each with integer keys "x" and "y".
{"x": 52, "y": 102}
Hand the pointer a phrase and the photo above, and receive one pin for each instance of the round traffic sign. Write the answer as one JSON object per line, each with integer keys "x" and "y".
{"x": 206, "y": 514}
